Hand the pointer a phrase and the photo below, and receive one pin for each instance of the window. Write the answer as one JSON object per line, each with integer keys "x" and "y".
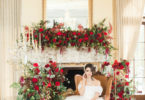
{"x": 138, "y": 63}
{"x": 70, "y": 12}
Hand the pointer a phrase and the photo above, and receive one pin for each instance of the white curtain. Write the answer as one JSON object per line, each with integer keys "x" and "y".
{"x": 9, "y": 30}
{"x": 129, "y": 15}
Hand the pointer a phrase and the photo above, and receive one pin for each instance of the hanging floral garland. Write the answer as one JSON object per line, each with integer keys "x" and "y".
{"x": 98, "y": 37}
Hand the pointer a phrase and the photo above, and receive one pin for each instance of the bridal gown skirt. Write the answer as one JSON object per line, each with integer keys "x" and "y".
{"x": 80, "y": 98}
{"x": 88, "y": 94}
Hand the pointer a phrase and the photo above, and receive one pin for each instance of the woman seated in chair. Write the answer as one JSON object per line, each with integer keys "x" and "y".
{"x": 89, "y": 88}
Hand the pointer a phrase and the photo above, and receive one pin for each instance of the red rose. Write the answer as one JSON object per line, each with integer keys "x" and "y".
{"x": 126, "y": 76}
{"x": 41, "y": 35}
{"x": 121, "y": 67}
{"x": 86, "y": 35}
{"x": 35, "y": 36}
{"x": 50, "y": 61}
{"x": 127, "y": 63}
{"x": 74, "y": 33}
{"x": 54, "y": 64}
{"x": 105, "y": 33}
{"x": 36, "y": 87}
{"x": 37, "y": 70}
{"x": 112, "y": 87}
{"x": 35, "y": 65}
{"x": 80, "y": 40}
{"x": 34, "y": 80}
{"x": 48, "y": 85}
{"x": 59, "y": 41}
{"x": 120, "y": 94}
{"x": 54, "y": 40}
{"x": 67, "y": 39}
{"x": 57, "y": 69}
{"x": 64, "y": 34}
{"x": 91, "y": 33}
{"x": 43, "y": 83}
{"x": 72, "y": 44}
{"x": 22, "y": 81}
{"x": 99, "y": 35}
{"x": 79, "y": 33}
{"x": 101, "y": 40}
{"x": 117, "y": 73}
{"x": 61, "y": 70}
{"x": 59, "y": 33}
{"x": 127, "y": 83}
{"x": 57, "y": 83}
{"x": 86, "y": 38}
{"x": 41, "y": 29}
{"x": 47, "y": 65}
{"x": 46, "y": 37}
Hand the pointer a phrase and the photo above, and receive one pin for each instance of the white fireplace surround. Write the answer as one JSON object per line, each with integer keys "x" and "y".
{"x": 70, "y": 55}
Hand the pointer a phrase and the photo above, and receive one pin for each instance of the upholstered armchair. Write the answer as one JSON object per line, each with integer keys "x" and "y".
{"x": 106, "y": 83}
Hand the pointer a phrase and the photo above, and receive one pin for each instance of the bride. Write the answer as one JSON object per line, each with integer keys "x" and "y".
{"x": 89, "y": 88}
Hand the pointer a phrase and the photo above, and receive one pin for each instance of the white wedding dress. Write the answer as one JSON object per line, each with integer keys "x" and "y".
{"x": 88, "y": 94}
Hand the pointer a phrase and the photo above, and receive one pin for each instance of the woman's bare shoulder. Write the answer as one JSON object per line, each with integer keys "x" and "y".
{"x": 96, "y": 82}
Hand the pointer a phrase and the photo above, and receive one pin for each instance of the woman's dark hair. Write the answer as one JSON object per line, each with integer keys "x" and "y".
{"x": 91, "y": 66}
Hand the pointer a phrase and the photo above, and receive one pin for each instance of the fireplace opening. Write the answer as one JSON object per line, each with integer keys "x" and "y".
{"x": 70, "y": 72}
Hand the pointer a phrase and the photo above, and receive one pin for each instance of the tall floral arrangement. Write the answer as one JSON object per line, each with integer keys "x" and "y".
{"x": 122, "y": 87}
{"x": 58, "y": 36}
{"x": 41, "y": 82}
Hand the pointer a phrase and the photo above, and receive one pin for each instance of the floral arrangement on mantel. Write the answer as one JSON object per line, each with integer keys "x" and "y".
{"x": 122, "y": 87}
{"x": 41, "y": 82}
{"x": 98, "y": 37}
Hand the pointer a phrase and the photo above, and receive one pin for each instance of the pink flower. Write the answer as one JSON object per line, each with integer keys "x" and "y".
{"x": 80, "y": 27}
{"x": 26, "y": 28}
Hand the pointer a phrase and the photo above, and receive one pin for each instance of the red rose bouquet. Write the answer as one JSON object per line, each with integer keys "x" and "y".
{"x": 41, "y": 82}
{"x": 122, "y": 87}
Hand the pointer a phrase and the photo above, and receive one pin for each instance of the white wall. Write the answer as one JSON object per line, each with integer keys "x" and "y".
{"x": 31, "y": 11}
{"x": 102, "y": 9}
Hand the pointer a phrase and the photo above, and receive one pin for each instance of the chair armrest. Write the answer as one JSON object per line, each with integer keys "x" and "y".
{"x": 108, "y": 90}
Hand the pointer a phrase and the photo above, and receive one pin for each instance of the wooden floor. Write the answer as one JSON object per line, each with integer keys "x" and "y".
{"x": 138, "y": 97}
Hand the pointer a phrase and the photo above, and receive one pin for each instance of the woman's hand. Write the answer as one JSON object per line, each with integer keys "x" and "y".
{"x": 84, "y": 77}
